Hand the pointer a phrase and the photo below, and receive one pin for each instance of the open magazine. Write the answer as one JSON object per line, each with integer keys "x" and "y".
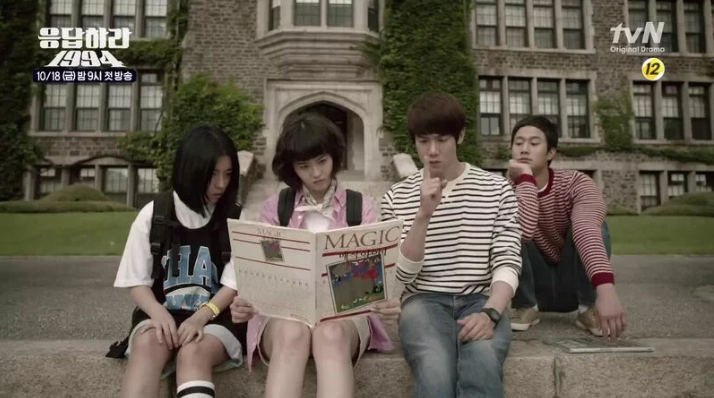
{"x": 313, "y": 277}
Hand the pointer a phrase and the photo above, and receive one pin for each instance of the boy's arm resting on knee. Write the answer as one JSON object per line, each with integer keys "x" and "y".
{"x": 587, "y": 218}
{"x": 501, "y": 294}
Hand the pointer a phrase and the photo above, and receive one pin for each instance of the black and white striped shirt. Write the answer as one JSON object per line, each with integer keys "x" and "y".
{"x": 473, "y": 238}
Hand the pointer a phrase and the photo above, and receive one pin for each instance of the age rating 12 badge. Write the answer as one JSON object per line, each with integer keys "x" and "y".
{"x": 653, "y": 69}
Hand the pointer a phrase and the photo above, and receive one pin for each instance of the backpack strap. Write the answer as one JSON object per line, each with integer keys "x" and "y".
{"x": 354, "y": 208}
{"x": 160, "y": 230}
{"x": 286, "y": 205}
{"x": 163, "y": 234}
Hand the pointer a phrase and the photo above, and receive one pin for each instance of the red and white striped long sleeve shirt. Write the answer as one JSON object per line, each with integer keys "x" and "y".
{"x": 571, "y": 200}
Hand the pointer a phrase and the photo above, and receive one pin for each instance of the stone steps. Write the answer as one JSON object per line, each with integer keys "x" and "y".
{"x": 677, "y": 368}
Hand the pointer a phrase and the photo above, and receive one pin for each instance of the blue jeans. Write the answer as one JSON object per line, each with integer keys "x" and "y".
{"x": 443, "y": 366}
{"x": 556, "y": 287}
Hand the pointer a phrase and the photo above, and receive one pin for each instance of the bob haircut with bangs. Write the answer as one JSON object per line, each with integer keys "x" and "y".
{"x": 436, "y": 113}
{"x": 304, "y": 137}
{"x": 194, "y": 165}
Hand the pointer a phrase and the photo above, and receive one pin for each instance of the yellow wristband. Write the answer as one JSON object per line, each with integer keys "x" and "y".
{"x": 214, "y": 308}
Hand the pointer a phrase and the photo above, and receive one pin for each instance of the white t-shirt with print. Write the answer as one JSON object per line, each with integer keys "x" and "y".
{"x": 137, "y": 263}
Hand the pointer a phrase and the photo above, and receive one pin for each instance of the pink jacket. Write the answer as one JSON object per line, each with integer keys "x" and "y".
{"x": 380, "y": 340}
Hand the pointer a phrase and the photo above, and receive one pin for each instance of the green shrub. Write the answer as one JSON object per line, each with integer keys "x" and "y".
{"x": 76, "y": 193}
{"x": 691, "y": 204}
{"x": 46, "y": 206}
{"x": 681, "y": 210}
{"x": 615, "y": 210}
{"x": 694, "y": 199}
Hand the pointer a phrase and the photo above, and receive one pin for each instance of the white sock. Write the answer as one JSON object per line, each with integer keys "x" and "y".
{"x": 196, "y": 389}
{"x": 582, "y": 308}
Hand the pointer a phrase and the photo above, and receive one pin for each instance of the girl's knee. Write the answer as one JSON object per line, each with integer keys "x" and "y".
{"x": 333, "y": 336}
{"x": 146, "y": 344}
{"x": 192, "y": 355}
{"x": 289, "y": 335}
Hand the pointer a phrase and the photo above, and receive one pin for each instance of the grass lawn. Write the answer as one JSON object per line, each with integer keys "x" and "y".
{"x": 64, "y": 233}
{"x": 105, "y": 234}
{"x": 662, "y": 235}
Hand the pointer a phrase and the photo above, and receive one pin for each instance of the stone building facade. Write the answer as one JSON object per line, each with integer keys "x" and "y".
{"x": 551, "y": 57}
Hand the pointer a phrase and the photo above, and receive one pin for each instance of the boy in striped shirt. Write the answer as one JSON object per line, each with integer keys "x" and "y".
{"x": 460, "y": 259}
{"x": 566, "y": 259}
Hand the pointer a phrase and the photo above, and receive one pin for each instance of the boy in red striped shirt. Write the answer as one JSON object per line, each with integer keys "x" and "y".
{"x": 566, "y": 243}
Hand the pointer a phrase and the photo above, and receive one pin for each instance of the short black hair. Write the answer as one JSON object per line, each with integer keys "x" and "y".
{"x": 543, "y": 124}
{"x": 306, "y": 136}
{"x": 436, "y": 113}
{"x": 194, "y": 164}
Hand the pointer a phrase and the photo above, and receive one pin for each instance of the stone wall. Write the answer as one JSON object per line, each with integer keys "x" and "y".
{"x": 619, "y": 188}
{"x": 221, "y": 43}
{"x": 78, "y": 147}
{"x": 386, "y": 147}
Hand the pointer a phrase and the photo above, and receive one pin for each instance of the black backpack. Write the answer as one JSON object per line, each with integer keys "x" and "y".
{"x": 286, "y": 204}
{"x": 162, "y": 236}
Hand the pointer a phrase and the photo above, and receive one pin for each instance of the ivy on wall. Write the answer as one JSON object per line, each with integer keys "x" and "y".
{"x": 424, "y": 47}
{"x": 20, "y": 56}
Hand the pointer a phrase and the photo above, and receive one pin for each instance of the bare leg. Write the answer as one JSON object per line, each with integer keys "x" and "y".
{"x": 195, "y": 361}
{"x": 334, "y": 344}
{"x": 146, "y": 361}
{"x": 287, "y": 344}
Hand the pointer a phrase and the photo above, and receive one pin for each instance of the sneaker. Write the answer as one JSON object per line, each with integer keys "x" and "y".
{"x": 524, "y": 318}
{"x": 586, "y": 321}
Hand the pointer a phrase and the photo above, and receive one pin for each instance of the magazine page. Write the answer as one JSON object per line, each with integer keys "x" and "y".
{"x": 275, "y": 269}
{"x": 356, "y": 268}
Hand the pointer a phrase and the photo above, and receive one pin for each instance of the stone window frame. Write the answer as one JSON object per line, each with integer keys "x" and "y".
{"x": 656, "y": 176}
{"x": 681, "y": 32}
{"x": 707, "y": 181}
{"x": 542, "y": 74}
{"x": 543, "y": 86}
{"x": 70, "y": 110}
{"x": 488, "y": 85}
{"x": 84, "y": 175}
{"x": 676, "y": 188}
{"x": 587, "y": 29}
{"x": 109, "y": 18}
{"x": 48, "y": 176}
{"x": 684, "y": 81}
{"x": 361, "y": 11}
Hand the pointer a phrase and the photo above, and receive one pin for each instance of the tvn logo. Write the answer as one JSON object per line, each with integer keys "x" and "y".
{"x": 648, "y": 43}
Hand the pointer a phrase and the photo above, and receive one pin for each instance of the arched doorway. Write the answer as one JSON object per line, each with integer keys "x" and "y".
{"x": 352, "y": 128}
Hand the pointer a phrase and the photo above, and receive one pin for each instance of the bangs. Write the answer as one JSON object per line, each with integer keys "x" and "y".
{"x": 436, "y": 113}
{"x": 306, "y": 136}
{"x": 306, "y": 144}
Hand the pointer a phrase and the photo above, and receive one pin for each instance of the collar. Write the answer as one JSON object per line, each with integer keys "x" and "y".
{"x": 339, "y": 199}
{"x": 182, "y": 208}
{"x": 549, "y": 186}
